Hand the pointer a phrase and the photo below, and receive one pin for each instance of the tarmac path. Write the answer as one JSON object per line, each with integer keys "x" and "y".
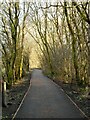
{"x": 45, "y": 99}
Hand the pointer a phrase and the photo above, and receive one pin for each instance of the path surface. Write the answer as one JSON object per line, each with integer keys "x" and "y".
{"x": 46, "y": 99}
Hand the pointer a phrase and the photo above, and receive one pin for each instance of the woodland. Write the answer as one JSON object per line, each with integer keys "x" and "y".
{"x": 61, "y": 31}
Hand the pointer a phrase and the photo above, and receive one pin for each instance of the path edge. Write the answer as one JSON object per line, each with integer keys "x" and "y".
{"x": 21, "y": 101}
{"x": 77, "y": 106}
{"x": 71, "y": 99}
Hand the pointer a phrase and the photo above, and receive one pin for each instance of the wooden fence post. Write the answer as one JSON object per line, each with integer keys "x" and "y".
{"x": 4, "y": 104}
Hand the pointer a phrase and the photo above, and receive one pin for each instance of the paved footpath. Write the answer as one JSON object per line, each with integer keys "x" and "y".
{"x": 46, "y": 99}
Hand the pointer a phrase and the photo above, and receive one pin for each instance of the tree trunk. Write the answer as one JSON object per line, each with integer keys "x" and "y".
{"x": 89, "y": 46}
{"x": 73, "y": 45}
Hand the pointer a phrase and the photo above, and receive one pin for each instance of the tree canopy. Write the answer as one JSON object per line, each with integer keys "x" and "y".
{"x": 61, "y": 31}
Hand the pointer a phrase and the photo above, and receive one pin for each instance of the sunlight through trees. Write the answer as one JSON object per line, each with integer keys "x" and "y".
{"x": 61, "y": 32}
